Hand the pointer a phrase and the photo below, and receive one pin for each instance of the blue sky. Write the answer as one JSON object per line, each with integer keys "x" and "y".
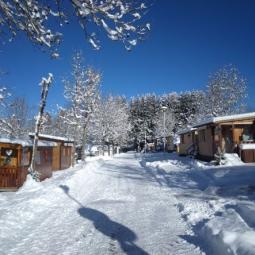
{"x": 189, "y": 40}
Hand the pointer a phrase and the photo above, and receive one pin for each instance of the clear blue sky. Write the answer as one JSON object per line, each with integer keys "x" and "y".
{"x": 189, "y": 40}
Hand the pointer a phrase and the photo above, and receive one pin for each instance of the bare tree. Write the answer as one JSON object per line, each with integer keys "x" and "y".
{"x": 45, "y": 83}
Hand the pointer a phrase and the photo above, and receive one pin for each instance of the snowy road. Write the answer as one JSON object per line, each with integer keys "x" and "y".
{"x": 115, "y": 206}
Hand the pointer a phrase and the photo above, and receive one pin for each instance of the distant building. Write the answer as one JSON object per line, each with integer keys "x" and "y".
{"x": 230, "y": 134}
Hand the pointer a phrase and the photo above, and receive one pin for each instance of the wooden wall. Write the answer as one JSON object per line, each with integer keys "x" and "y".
{"x": 66, "y": 157}
{"x": 44, "y": 162}
{"x": 248, "y": 156}
{"x": 56, "y": 160}
{"x": 206, "y": 142}
{"x": 185, "y": 143}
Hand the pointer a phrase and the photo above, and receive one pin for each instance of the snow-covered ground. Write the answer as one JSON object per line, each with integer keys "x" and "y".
{"x": 133, "y": 204}
{"x": 216, "y": 202}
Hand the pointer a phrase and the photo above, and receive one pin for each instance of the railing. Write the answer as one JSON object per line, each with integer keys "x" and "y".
{"x": 12, "y": 177}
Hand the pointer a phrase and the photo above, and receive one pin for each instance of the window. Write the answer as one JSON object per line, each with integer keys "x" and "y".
{"x": 8, "y": 157}
{"x": 247, "y": 134}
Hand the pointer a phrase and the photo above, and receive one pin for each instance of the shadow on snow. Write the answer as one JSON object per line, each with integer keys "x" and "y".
{"x": 112, "y": 229}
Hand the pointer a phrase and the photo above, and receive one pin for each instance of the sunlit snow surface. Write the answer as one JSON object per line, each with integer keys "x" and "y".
{"x": 133, "y": 204}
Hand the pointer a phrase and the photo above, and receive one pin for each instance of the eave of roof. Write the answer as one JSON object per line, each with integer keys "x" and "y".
{"x": 56, "y": 138}
{"x": 235, "y": 117}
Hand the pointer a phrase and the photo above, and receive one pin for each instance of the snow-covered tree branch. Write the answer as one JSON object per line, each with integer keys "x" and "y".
{"x": 82, "y": 93}
{"x": 226, "y": 92}
{"x": 120, "y": 20}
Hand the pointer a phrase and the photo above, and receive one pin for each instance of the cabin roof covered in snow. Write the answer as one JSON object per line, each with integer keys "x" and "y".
{"x": 15, "y": 141}
{"x": 234, "y": 117}
{"x": 52, "y": 137}
{"x": 27, "y": 143}
{"x": 187, "y": 130}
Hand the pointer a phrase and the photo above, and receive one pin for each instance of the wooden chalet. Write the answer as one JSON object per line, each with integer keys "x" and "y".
{"x": 232, "y": 134}
{"x": 15, "y": 160}
{"x": 54, "y": 153}
{"x": 62, "y": 153}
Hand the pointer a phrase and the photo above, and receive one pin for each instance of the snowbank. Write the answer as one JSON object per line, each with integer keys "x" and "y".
{"x": 217, "y": 201}
{"x": 228, "y": 234}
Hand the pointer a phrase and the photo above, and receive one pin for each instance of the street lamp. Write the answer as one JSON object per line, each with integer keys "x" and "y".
{"x": 164, "y": 108}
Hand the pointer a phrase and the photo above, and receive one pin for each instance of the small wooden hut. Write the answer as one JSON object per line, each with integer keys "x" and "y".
{"x": 15, "y": 158}
{"x": 62, "y": 152}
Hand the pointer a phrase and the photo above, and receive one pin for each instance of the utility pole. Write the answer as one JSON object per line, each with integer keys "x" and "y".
{"x": 164, "y": 108}
{"x": 145, "y": 140}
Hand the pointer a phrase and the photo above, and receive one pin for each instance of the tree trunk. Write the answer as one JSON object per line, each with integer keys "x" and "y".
{"x": 109, "y": 149}
{"x": 45, "y": 83}
{"x": 84, "y": 138}
{"x": 103, "y": 147}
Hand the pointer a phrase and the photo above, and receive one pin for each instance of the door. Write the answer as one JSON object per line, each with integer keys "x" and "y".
{"x": 227, "y": 139}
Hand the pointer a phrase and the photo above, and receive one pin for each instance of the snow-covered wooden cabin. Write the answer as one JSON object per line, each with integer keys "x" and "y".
{"x": 62, "y": 151}
{"x": 233, "y": 134}
{"x": 188, "y": 141}
{"x": 15, "y": 158}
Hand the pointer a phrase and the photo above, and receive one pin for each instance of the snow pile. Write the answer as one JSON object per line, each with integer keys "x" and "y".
{"x": 228, "y": 233}
{"x": 232, "y": 159}
{"x": 217, "y": 201}
{"x": 35, "y": 214}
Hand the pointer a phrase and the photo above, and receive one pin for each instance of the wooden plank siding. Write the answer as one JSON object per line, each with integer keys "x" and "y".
{"x": 206, "y": 147}
{"x": 185, "y": 143}
{"x": 56, "y": 160}
{"x": 66, "y": 157}
{"x": 43, "y": 163}
{"x": 248, "y": 156}
{"x": 12, "y": 178}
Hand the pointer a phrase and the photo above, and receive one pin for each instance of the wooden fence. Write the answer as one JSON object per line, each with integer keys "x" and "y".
{"x": 12, "y": 178}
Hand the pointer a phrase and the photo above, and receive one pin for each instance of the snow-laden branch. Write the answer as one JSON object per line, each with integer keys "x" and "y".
{"x": 119, "y": 19}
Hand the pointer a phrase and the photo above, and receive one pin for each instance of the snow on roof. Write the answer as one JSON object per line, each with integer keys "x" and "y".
{"x": 27, "y": 143}
{"x": 46, "y": 144}
{"x": 60, "y": 138}
{"x": 187, "y": 130}
{"x": 225, "y": 118}
{"x": 15, "y": 141}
